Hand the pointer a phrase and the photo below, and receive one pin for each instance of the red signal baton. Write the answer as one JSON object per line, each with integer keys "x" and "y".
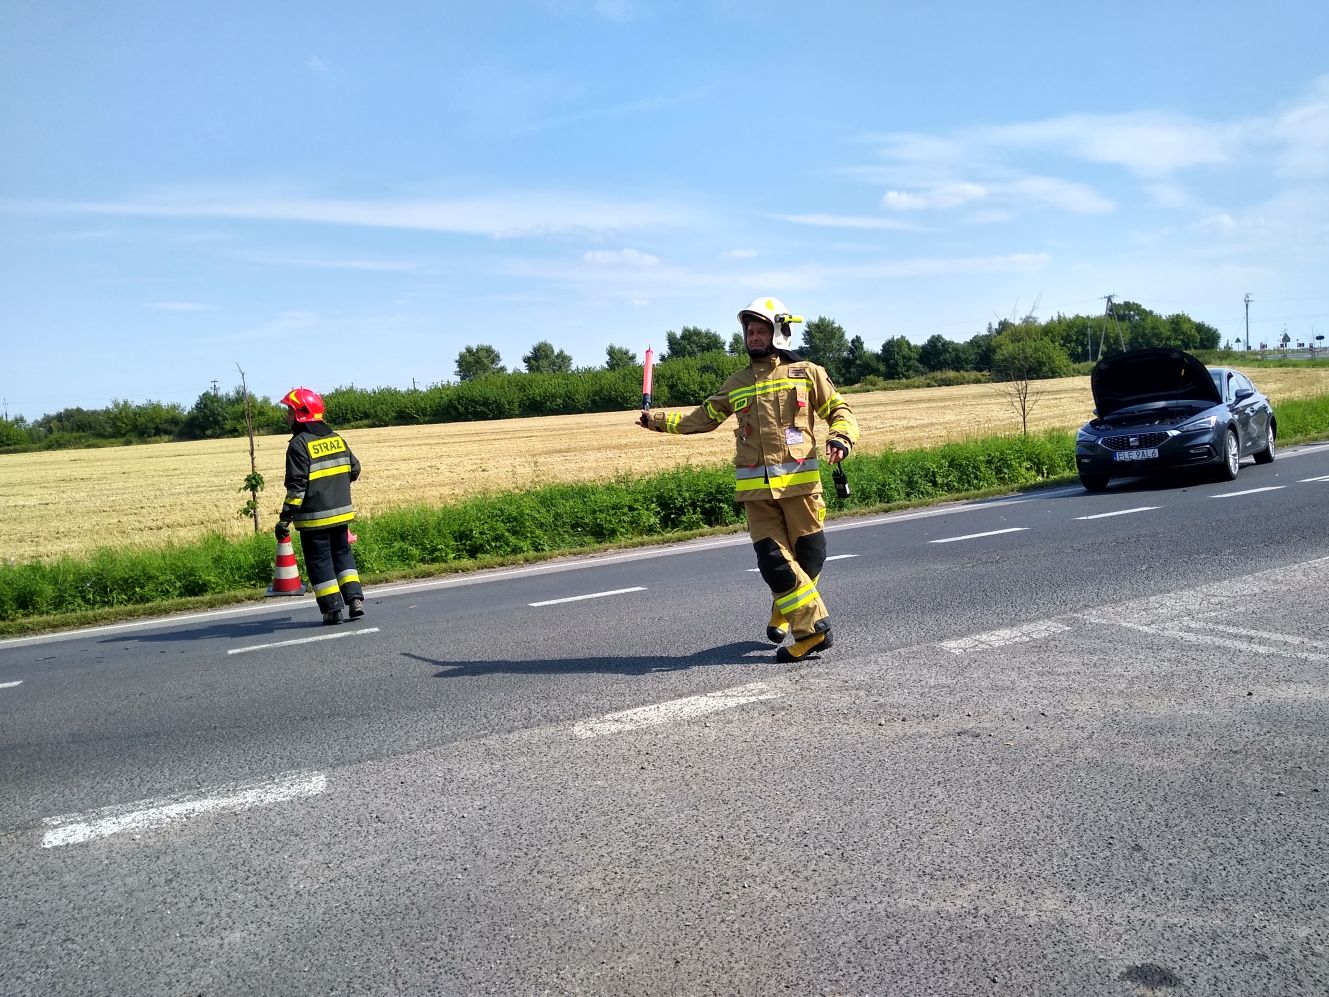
{"x": 647, "y": 372}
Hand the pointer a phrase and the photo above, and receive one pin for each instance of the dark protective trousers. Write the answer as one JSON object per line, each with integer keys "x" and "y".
{"x": 331, "y": 566}
{"x": 791, "y": 549}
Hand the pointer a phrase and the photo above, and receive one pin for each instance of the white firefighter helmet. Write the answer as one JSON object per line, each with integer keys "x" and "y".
{"x": 774, "y": 312}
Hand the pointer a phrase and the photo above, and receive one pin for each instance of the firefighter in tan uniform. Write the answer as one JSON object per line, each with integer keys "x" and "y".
{"x": 777, "y": 399}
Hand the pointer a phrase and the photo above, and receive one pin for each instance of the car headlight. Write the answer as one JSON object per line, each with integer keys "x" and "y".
{"x": 1084, "y": 436}
{"x": 1208, "y": 422}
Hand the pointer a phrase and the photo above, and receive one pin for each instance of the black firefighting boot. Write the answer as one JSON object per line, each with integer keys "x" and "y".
{"x": 355, "y": 608}
{"x": 814, "y": 643}
{"x": 332, "y": 617}
{"x": 776, "y": 630}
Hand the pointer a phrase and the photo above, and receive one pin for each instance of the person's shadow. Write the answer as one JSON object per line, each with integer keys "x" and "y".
{"x": 738, "y": 653}
{"x": 239, "y": 629}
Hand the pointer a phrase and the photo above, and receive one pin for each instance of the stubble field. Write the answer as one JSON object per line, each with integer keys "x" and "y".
{"x": 74, "y": 501}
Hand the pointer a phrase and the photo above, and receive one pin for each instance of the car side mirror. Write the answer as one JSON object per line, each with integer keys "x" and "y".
{"x": 1242, "y": 394}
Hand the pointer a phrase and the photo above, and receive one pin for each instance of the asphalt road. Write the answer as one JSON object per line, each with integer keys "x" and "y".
{"x": 1065, "y": 744}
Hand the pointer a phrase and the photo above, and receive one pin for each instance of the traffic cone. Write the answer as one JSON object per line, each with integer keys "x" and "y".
{"x": 285, "y": 574}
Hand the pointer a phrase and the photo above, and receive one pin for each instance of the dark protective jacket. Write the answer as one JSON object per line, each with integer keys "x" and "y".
{"x": 775, "y": 399}
{"x": 319, "y": 470}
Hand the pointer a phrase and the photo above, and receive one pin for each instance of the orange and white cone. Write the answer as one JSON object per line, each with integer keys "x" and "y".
{"x": 285, "y": 574}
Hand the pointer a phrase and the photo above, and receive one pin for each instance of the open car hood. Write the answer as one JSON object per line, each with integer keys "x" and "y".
{"x": 1157, "y": 375}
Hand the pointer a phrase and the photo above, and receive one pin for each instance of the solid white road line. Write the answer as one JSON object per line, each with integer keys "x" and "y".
{"x": 1261, "y": 634}
{"x": 975, "y": 536}
{"x": 1249, "y": 491}
{"x": 591, "y": 595}
{"x": 1120, "y": 512}
{"x": 303, "y": 640}
{"x": 72, "y": 829}
{"x": 1323, "y": 477}
{"x": 10, "y": 685}
{"x": 678, "y": 709}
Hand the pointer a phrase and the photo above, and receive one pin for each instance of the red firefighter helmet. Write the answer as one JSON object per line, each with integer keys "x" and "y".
{"x": 305, "y": 405}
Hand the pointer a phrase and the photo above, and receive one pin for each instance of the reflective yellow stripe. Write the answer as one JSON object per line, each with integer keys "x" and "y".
{"x": 797, "y": 599}
{"x": 672, "y": 420}
{"x": 779, "y": 481}
{"x": 831, "y": 403}
{"x": 840, "y": 426}
{"x": 766, "y": 387}
{"x": 295, "y": 499}
{"x": 324, "y": 472}
{"x": 716, "y": 416}
{"x": 345, "y": 517}
{"x": 327, "y": 588}
{"x": 348, "y": 576}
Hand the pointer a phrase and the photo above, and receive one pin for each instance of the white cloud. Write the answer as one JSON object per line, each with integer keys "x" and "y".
{"x": 317, "y": 65}
{"x": 850, "y": 221}
{"x": 621, "y": 257}
{"x": 739, "y": 254}
{"x": 941, "y": 196}
{"x": 509, "y": 215}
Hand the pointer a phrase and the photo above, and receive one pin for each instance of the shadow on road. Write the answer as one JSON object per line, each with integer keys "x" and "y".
{"x": 738, "y": 653}
{"x": 220, "y": 631}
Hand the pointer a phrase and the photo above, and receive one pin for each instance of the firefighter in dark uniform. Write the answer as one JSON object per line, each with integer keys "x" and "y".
{"x": 319, "y": 470}
{"x": 778, "y": 399}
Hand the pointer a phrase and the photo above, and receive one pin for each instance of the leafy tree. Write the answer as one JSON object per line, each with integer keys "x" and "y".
{"x": 693, "y": 341}
{"x": 938, "y": 353}
{"x": 737, "y": 347}
{"x": 1022, "y": 354}
{"x": 477, "y": 361}
{"x": 12, "y": 433}
{"x": 976, "y": 353}
{"x": 825, "y": 343}
{"x": 544, "y": 359}
{"x": 899, "y": 359}
{"x": 618, "y": 357}
{"x": 206, "y": 419}
{"x": 861, "y": 362}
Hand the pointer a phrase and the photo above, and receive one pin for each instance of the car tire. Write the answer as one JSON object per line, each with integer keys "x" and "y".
{"x": 1093, "y": 482}
{"x": 1266, "y": 456}
{"x": 1231, "y": 459}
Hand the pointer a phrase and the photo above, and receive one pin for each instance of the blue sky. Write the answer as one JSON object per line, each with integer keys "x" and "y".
{"x": 330, "y": 193}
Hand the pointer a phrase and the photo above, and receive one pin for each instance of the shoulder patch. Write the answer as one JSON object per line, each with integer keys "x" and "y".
{"x": 798, "y": 372}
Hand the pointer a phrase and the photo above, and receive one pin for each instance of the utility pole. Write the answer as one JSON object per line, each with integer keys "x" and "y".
{"x": 215, "y": 390}
{"x": 1102, "y": 339}
{"x": 1248, "y": 321}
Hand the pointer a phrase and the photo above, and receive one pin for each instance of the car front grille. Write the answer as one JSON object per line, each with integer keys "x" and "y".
{"x": 1132, "y": 442}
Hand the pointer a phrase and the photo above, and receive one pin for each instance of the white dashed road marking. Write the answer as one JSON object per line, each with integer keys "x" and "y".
{"x": 833, "y": 557}
{"x": 1323, "y": 477}
{"x": 10, "y": 685}
{"x": 975, "y": 536}
{"x": 1120, "y": 512}
{"x": 1249, "y": 491}
{"x": 1000, "y": 638}
{"x": 303, "y": 640}
{"x": 591, "y": 595}
{"x": 72, "y": 829}
{"x": 678, "y": 709}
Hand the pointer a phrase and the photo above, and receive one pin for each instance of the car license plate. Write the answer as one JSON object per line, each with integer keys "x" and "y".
{"x": 1147, "y": 453}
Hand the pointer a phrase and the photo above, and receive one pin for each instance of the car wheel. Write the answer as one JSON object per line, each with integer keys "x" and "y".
{"x": 1227, "y": 470}
{"x": 1266, "y": 456}
{"x": 1093, "y": 482}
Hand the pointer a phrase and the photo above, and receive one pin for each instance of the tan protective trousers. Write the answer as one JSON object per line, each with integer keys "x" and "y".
{"x": 791, "y": 548}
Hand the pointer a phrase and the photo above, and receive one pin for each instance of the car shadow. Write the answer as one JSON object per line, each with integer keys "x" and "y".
{"x": 219, "y": 631}
{"x": 737, "y": 653}
{"x": 1166, "y": 481}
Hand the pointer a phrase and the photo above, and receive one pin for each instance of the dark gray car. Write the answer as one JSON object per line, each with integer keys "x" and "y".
{"x": 1162, "y": 409}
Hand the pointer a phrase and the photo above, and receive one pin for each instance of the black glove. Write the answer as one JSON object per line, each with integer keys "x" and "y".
{"x": 645, "y": 420}
{"x": 283, "y": 530}
{"x": 840, "y": 445}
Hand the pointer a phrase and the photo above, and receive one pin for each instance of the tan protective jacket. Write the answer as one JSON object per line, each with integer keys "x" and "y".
{"x": 775, "y": 399}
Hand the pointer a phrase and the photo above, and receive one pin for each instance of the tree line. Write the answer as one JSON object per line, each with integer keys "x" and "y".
{"x": 695, "y": 363}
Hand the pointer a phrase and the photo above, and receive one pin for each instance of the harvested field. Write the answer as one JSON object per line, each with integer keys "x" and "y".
{"x": 73, "y": 501}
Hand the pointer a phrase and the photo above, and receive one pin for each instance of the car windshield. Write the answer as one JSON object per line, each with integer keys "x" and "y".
{"x": 1217, "y": 375}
